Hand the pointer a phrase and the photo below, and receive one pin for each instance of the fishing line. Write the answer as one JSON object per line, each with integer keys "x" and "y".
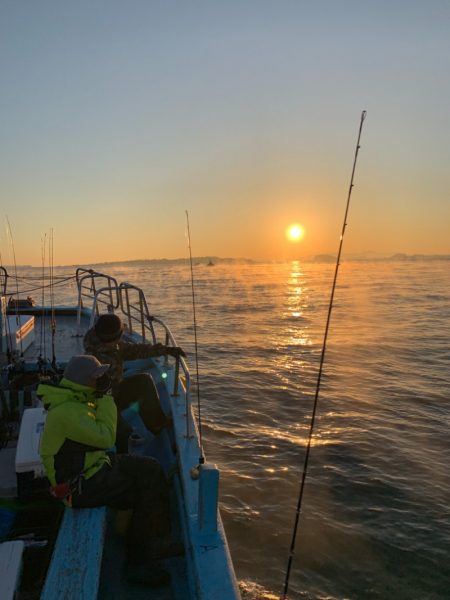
{"x": 201, "y": 459}
{"x": 319, "y": 376}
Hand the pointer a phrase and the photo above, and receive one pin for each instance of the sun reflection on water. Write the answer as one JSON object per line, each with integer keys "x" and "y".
{"x": 296, "y": 305}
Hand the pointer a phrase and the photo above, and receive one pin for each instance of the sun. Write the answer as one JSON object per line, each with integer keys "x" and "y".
{"x": 295, "y": 232}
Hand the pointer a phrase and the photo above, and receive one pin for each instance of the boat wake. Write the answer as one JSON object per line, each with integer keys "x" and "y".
{"x": 253, "y": 591}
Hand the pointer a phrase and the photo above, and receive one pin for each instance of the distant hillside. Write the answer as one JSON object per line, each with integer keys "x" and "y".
{"x": 197, "y": 260}
{"x": 414, "y": 257}
{"x": 328, "y": 258}
{"x": 217, "y": 260}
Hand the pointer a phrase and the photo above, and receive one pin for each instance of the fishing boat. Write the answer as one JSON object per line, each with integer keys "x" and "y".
{"x": 52, "y": 552}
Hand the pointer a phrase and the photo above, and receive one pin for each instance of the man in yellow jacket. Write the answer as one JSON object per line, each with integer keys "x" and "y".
{"x": 80, "y": 429}
{"x": 80, "y": 425}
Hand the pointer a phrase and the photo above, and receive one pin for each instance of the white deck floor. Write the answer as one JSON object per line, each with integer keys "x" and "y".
{"x": 68, "y": 338}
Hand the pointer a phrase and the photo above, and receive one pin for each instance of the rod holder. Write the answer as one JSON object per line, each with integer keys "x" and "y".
{"x": 208, "y": 498}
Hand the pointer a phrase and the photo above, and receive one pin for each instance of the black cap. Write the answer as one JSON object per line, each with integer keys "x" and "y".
{"x": 108, "y": 328}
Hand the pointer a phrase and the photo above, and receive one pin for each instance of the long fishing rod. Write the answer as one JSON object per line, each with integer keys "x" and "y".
{"x": 5, "y": 314}
{"x": 52, "y": 297}
{"x": 319, "y": 376}
{"x": 18, "y": 324}
{"x": 42, "y": 349}
{"x": 201, "y": 459}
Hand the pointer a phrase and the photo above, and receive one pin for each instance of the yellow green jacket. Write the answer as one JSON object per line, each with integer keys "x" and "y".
{"x": 79, "y": 428}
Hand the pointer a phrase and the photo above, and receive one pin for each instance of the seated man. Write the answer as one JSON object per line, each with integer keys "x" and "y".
{"x": 104, "y": 342}
{"x": 80, "y": 427}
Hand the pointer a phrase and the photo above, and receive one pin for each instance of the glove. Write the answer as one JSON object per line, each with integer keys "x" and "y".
{"x": 159, "y": 349}
{"x": 175, "y": 351}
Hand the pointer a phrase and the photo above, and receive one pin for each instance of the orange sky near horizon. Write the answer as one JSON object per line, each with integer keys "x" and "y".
{"x": 116, "y": 122}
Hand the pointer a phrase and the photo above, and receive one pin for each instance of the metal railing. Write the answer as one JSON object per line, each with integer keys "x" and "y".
{"x": 3, "y": 280}
{"x": 135, "y": 309}
{"x": 130, "y": 302}
{"x": 92, "y": 284}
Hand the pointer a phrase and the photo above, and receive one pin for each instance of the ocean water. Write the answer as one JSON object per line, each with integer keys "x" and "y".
{"x": 375, "y": 521}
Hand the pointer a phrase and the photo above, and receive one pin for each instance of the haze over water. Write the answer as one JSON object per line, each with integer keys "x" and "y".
{"x": 375, "y": 521}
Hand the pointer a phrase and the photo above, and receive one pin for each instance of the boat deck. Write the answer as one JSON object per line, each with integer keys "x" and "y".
{"x": 114, "y": 587}
{"x": 68, "y": 338}
{"x": 67, "y": 342}
{"x": 89, "y": 552}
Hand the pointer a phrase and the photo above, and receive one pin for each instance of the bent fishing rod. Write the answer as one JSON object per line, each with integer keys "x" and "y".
{"x": 319, "y": 375}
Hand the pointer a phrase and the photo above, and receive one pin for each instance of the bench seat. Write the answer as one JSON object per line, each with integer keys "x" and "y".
{"x": 10, "y": 568}
{"x": 74, "y": 571}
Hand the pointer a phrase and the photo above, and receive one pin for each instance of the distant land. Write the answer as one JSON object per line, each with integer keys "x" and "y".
{"x": 372, "y": 257}
{"x": 217, "y": 260}
{"x": 318, "y": 258}
{"x": 197, "y": 260}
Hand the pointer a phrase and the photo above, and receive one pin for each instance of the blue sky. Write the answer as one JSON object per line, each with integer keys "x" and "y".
{"x": 116, "y": 117}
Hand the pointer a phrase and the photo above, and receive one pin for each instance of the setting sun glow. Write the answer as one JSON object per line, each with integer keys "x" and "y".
{"x": 295, "y": 233}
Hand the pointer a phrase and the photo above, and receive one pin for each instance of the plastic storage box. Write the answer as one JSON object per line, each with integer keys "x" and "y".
{"x": 20, "y": 330}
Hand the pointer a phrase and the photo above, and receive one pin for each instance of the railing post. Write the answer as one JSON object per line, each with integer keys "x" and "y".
{"x": 166, "y": 360}
{"x": 128, "y": 313}
{"x": 141, "y": 306}
{"x": 176, "y": 376}
{"x": 3, "y": 326}
{"x": 208, "y": 498}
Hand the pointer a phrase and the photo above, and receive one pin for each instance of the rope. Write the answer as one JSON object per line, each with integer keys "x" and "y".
{"x": 39, "y": 277}
{"x": 38, "y": 288}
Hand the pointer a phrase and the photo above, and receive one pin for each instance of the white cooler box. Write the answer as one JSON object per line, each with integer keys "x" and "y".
{"x": 29, "y": 466}
{"x": 10, "y": 568}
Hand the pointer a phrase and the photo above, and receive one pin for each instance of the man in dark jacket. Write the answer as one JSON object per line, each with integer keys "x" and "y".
{"x": 79, "y": 429}
{"x": 104, "y": 342}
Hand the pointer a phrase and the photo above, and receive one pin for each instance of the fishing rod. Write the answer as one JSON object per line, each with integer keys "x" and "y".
{"x": 319, "y": 375}
{"x": 201, "y": 459}
{"x": 5, "y": 312}
{"x": 52, "y": 297}
{"x": 18, "y": 324}
{"x": 43, "y": 358}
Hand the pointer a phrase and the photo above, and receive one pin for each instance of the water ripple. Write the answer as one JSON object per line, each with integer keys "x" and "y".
{"x": 375, "y": 521}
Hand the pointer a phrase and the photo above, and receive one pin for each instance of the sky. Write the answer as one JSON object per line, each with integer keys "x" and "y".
{"x": 117, "y": 117}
